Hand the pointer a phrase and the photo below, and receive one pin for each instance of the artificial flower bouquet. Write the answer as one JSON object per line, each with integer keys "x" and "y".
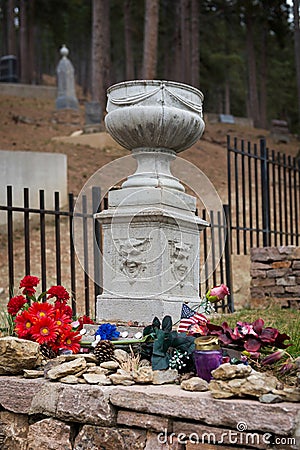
{"x": 46, "y": 319}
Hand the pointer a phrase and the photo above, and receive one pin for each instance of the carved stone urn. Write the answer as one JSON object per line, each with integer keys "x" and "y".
{"x": 155, "y": 119}
{"x": 150, "y": 229}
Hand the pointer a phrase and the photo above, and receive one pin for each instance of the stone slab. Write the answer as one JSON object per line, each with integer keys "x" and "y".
{"x": 141, "y": 420}
{"x": 13, "y": 431}
{"x": 12, "y": 389}
{"x": 41, "y": 434}
{"x": 91, "y": 437}
{"x": 174, "y": 402}
{"x": 46, "y": 399}
{"x": 86, "y": 404}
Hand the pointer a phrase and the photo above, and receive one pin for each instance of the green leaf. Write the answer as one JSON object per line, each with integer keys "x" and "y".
{"x": 41, "y": 296}
{"x": 156, "y": 322}
{"x": 167, "y": 323}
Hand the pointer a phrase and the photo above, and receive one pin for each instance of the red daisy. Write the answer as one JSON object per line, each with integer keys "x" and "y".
{"x": 15, "y": 304}
{"x": 63, "y": 309}
{"x": 59, "y": 292}
{"x": 44, "y": 330}
{"x": 40, "y": 310}
{"x": 62, "y": 321}
{"x": 24, "y": 324}
{"x": 70, "y": 341}
{"x": 29, "y": 283}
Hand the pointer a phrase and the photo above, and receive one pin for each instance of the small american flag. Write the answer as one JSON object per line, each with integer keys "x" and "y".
{"x": 190, "y": 317}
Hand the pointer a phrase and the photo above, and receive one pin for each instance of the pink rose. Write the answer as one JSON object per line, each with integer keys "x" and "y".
{"x": 217, "y": 293}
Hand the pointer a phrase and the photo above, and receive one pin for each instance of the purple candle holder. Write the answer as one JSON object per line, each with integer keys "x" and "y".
{"x": 208, "y": 356}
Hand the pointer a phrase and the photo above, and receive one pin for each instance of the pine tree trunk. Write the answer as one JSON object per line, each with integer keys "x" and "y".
{"x": 185, "y": 41}
{"x": 177, "y": 67}
{"x": 23, "y": 43}
{"x": 11, "y": 31}
{"x": 30, "y": 41}
{"x": 150, "y": 39}
{"x": 100, "y": 51}
{"x": 253, "y": 95}
{"x": 227, "y": 97}
{"x": 297, "y": 48}
{"x": 195, "y": 77}
{"x": 128, "y": 40}
{"x": 263, "y": 81}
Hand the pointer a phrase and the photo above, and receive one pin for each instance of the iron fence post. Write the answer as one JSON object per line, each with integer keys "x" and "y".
{"x": 265, "y": 195}
{"x": 228, "y": 267}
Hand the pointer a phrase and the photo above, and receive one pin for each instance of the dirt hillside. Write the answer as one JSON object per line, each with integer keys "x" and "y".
{"x": 33, "y": 125}
{"x": 30, "y": 124}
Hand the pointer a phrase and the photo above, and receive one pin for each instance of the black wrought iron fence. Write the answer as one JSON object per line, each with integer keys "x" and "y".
{"x": 39, "y": 241}
{"x": 263, "y": 196}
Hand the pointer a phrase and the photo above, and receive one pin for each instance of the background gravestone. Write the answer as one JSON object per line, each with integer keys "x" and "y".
{"x": 93, "y": 117}
{"x": 66, "y": 96}
{"x": 8, "y": 69}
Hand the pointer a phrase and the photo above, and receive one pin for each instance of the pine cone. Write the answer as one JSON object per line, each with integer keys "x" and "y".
{"x": 47, "y": 351}
{"x": 104, "y": 351}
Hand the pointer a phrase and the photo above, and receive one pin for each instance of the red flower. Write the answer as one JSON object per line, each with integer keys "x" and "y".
{"x": 70, "y": 341}
{"x": 63, "y": 309}
{"x": 24, "y": 324}
{"x": 15, "y": 304}
{"x": 269, "y": 335}
{"x": 252, "y": 345}
{"x": 44, "y": 330}
{"x": 83, "y": 320}
{"x": 59, "y": 292}
{"x": 29, "y": 283}
{"x": 62, "y": 321}
{"x": 40, "y": 310}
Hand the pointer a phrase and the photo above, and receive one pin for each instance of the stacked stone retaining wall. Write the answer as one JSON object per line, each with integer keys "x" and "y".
{"x": 43, "y": 415}
{"x": 275, "y": 276}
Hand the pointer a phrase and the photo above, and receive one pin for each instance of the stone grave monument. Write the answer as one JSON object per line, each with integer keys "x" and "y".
{"x": 93, "y": 118}
{"x": 150, "y": 229}
{"x": 66, "y": 95}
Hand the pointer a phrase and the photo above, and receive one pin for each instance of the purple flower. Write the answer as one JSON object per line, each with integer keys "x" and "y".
{"x": 107, "y": 331}
{"x": 276, "y": 356}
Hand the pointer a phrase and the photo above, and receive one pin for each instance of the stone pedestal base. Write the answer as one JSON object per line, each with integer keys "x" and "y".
{"x": 142, "y": 311}
{"x": 150, "y": 254}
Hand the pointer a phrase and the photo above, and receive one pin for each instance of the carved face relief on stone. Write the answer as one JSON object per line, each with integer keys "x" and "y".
{"x": 179, "y": 257}
{"x": 132, "y": 256}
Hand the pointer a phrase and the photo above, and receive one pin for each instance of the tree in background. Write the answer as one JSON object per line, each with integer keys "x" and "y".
{"x": 150, "y": 39}
{"x": 245, "y": 58}
{"x": 297, "y": 48}
{"x": 100, "y": 51}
